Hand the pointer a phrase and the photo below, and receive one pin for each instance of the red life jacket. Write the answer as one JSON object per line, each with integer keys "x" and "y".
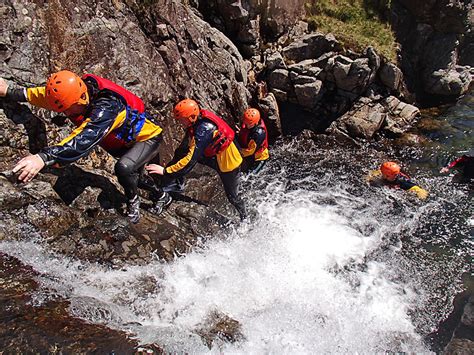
{"x": 112, "y": 141}
{"x": 224, "y": 137}
{"x": 244, "y": 136}
{"x": 132, "y": 100}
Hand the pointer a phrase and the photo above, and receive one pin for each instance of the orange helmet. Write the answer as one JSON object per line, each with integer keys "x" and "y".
{"x": 187, "y": 110}
{"x": 64, "y": 89}
{"x": 390, "y": 170}
{"x": 251, "y": 116}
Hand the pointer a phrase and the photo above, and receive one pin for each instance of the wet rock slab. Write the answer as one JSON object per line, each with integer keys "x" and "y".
{"x": 47, "y": 327}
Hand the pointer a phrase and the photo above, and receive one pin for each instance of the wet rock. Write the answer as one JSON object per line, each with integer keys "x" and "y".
{"x": 31, "y": 328}
{"x": 269, "y": 106}
{"x": 362, "y": 121}
{"x": 410, "y": 139}
{"x": 462, "y": 341}
{"x": 220, "y": 327}
{"x": 401, "y": 115}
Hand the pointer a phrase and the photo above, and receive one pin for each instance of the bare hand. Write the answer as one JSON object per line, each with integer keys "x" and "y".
{"x": 444, "y": 170}
{"x": 29, "y": 167}
{"x": 3, "y": 87}
{"x": 155, "y": 169}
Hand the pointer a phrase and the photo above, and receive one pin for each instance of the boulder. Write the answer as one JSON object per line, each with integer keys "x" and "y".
{"x": 279, "y": 79}
{"x": 351, "y": 75}
{"x": 311, "y": 46}
{"x": 366, "y": 117}
{"x": 391, "y": 76}
{"x": 275, "y": 61}
{"x": 362, "y": 121}
{"x": 308, "y": 94}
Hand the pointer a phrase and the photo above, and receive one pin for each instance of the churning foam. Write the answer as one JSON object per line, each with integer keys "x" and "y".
{"x": 298, "y": 280}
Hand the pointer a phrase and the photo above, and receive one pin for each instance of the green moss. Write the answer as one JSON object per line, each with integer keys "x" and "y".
{"x": 355, "y": 23}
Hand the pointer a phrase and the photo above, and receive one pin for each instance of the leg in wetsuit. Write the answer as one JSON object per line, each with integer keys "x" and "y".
{"x": 231, "y": 182}
{"x": 129, "y": 169}
{"x": 130, "y": 165}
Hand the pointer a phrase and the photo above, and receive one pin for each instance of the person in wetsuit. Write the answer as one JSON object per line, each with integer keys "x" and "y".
{"x": 209, "y": 140}
{"x": 465, "y": 165}
{"x": 390, "y": 175}
{"x": 253, "y": 140}
{"x": 105, "y": 114}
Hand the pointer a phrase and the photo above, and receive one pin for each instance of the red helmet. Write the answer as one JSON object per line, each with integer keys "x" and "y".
{"x": 64, "y": 89}
{"x": 390, "y": 170}
{"x": 251, "y": 117}
{"x": 187, "y": 110}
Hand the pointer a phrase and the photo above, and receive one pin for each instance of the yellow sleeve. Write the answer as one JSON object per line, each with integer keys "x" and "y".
{"x": 37, "y": 97}
{"x": 421, "y": 193}
{"x": 184, "y": 161}
{"x": 250, "y": 150}
{"x": 230, "y": 159}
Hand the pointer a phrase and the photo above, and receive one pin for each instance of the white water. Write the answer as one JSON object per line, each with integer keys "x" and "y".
{"x": 300, "y": 280}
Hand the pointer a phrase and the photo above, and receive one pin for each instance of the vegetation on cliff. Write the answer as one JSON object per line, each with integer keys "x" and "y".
{"x": 355, "y": 23}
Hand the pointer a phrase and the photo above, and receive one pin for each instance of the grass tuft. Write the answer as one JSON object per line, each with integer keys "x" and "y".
{"x": 357, "y": 24}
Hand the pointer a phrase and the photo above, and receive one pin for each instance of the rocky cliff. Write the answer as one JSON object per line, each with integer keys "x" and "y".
{"x": 165, "y": 50}
{"x": 436, "y": 37}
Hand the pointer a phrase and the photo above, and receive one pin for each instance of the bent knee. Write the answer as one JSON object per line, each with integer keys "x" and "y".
{"x": 124, "y": 167}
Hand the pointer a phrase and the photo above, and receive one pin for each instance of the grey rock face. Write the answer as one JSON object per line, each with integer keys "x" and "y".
{"x": 436, "y": 38}
{"x": 310, "y": 46}
{"x": 391, "y": 76}
{"x": 461, "y": 342}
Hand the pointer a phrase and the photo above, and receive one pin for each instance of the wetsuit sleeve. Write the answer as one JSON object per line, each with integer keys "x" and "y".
{"x": 16, "y": 94}
{"x": 459, "y": 162}
{"x": 405, "y": 183}
{"x": 85, "y": 137}
{"x": 197, "y": 144}
{"x": 374, "y": 178}
{"x": 35, "y": 96}
{"x": 408, "y": 185}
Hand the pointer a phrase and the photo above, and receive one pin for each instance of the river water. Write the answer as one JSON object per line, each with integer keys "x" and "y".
{"x": 327, "y": 264}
